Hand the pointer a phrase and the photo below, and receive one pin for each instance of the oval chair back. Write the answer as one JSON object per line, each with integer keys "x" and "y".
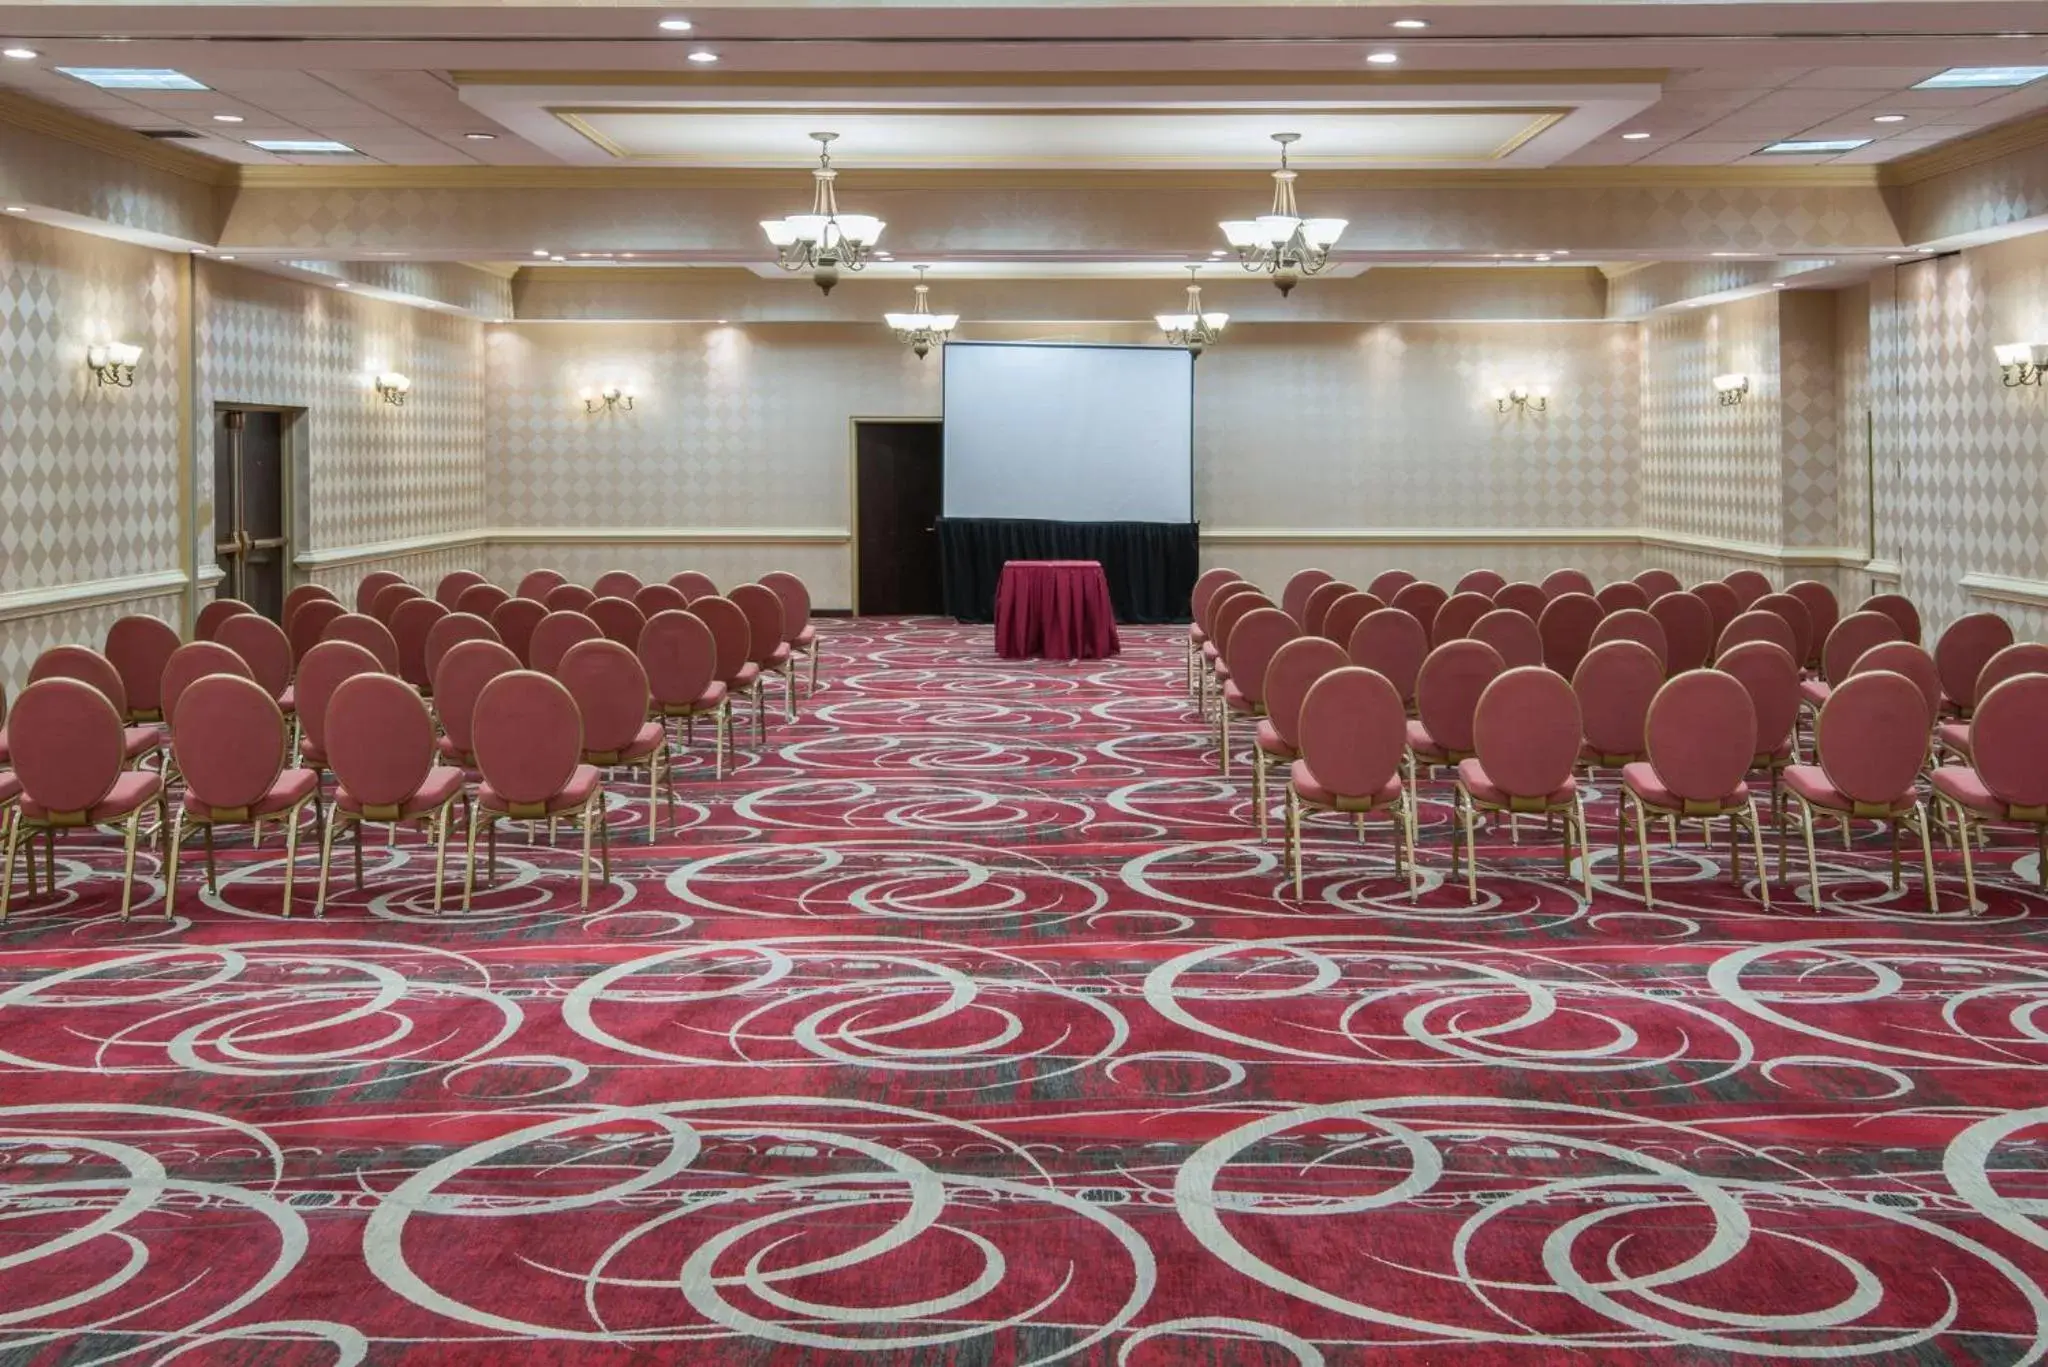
{"x": 655, "y": 599}
{"x": 680, "y": 656}
{"x": 1223, "y": 594}
{"x": 1795, "y": 616}
{"x": 1757, "y": 625}
{"x": 1749, "y": 585}
{"x": 610, "y": 688}
{"x": 619, "y": 620}
{"x": 694, "y": 584}
{"x": 309, "y": 624}
{"x": 1567, "y": 626}
{"x": 1488, "y": 582}
{"x": 322, "y": 671}
{"x": 379, "y": 741}
{"x": 1205, "y": 588}
{"x": 1421, "y": 600}
{"x": 515, "y": 621}
{"x": 190, "y": 663}
{"x": 1316, "y": 607}
{"x": 1615, "y": 684}
{"x": 1688, "y": 630}
{"x": 2010, "y": 742}
{"x": 410, "y": 626}
{"x": 1634, "y": 624}
{"x": 213, "y": 613}
{"x": 1870, "y": 737}
{"x": 1766, "y": 672}
{"x": 1294, "y": 669}
{"x": 369, "y": 633}
{"x": 764, "y": 622}
{"x": 569, "y": 598}
{"x": 528, "y": 739}
{"x": 1723, "y": 603}
{"x": 1252, "y": 645}
{"x": 1523, "y": 597}
{"x": 450, "y": 632}
{"x": 1447, "y": 691}
{"x": 388, "y": 599}
{"x": 231, "y": 745}
{"x": 1622, "y": 593}
{"x": 1344, "y": 616}
{"x": 1387, "y": 583}
{"x": 372, "y": 584}
{"x": 1903, "y": 657}
{"x": 302, "y": 595}
{"x": 1658, "y": 582}
{"x": 1393, "y": 645}
{"x": 85, "y": 665}
{"x": 1853, "y": 635}
{"x": 796, "y": 602}
{"x": 459, "y": 680}
{"x": 538, "y": 584}
{"x": 67, "y": 744}
{"x": 448, "y": 593}
{"x": 1963, "y": 651}
{"x": 1823, "y": 610}
{"x": 1701, "y": 736}
{"x": 138, "y": 647}
{"x": 2025, "y": 657}
{"x": 1526, "y": 735}
{"x": 1352, "y": 731}
{"x": 264, "y": 648}
{"x": 730, "y": 630}
{"x": 557, "y": 632}
{"x": 1226, "y": 610}
{"x": 482, "y": 600}
{"x": 616, "y": 584}
{"x": 1560, "y": 582}
{"x": 1900, "y": 609}
{"x": 1513, "y": 635}
{"x": 1294, "y": 597}
{"x": 1454, "y": 620}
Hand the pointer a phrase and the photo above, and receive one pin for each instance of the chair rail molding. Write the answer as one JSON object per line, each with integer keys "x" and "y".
{"x": 42, "y": 602}
{"x": 1999, "y": 588}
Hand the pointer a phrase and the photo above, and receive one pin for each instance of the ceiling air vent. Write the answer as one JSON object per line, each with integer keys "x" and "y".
{"x": 169, "y": 134}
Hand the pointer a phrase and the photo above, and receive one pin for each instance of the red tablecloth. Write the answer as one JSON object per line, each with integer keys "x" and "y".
{"x": 1058, "y": 609}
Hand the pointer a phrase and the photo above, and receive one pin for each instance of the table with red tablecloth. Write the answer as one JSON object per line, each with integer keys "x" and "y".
{"x": 1058, "y": 609}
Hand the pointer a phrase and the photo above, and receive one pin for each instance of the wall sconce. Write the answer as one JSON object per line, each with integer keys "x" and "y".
{"x": 2022, "y": 362}
{"x": 113, "y": 363}
{"x": 1732, "y": 388}
{"x": 611, "y": 399}
{"x": 392, "y": 387}
{"x": 1534, "y": 399}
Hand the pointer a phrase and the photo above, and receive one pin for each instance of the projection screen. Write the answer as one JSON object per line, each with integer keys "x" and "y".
{"x": 1069, "y": 433}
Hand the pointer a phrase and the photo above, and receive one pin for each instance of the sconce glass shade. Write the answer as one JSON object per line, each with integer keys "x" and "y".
{"x": 1731, "y": 384}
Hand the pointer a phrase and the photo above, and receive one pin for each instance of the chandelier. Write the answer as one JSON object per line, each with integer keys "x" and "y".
{"x": 823, "y": 240}
{"x": 1193, "y": 328}
{"x": 1282, "y": 243}
{"x": 920, "y": 327}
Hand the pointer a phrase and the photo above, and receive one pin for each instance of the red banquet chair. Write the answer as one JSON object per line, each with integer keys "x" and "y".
{"x": 529, "y": 750}
{"x": 1853, "y": 635}
{"x": 1512, "y": 634}
{"x": 1632, "y": 624}
{"x": 1344, "y": 616}
{"x": 680, "y": 656}
{"x": 1658, "y": 582}
{"x": 267, "y": 652}
{"x": 515, "y": 622}
{"x": 658, "y": 598}
{"x": 458, "y": 680}
{"x": 302, "y": 595}
{"x": 1250, "y": 651}
{"x": 212, "y": 613}
{"x": 232, "y": 746}
{"x": 1757, "y": 625}
{"x": 1525, "y": 738}
{"x": 95, "y": 670}
{"x": 388, "y": 598}
{"x": 369, "y": 633}
{"x": 555, "y": 634}
{"x": 482, "y": 600}
{"x": 1567, "y": 627}
{"x": 372, "y": 584}
{"x": 1454, "y": 620}
{"x": 1903, "y": 657}
{"x": 1294, "y": 669}
{"x": 1749, "y": 585}
{"x": 1446, "y": 694}
{"x": 538, "y": 584}
{"x": 1295, "y": 595}
{"x": 446, "y": 634}
{"x": 1688, "y": 630}
{"x": 188, "y": 664}
{"x": 732, "y": 638}
{"x": 1316, "y": 610}
{"x": 797, "y": 627}
{"x": 1723, "y": 603}
{"x": 138, "y": 647}
{"x": 619, "y": 620}
{"x": 617, "y": 584}
{"x": 1205, "y": 588}
{"x": 569, "y": 598}
{"x": 380, "y": 745}
{"x": 1961, "y": 654}
{"x": 448, "y": 592}
{"x": 1900, "y": 609}
{"x": 307, "y": 627}
{"x": 1525, "y": 598}
{"x": 1615, "y": 685}
{"x": 70, "y": 756}
{"x": 1560, "y": 582}
{"x": 1622, "y": 593}
{"x": 1823, "y": 610}
{"x": 1387, "y": 583}
{"x": 1224, "y": 611}
{"x": 322, "y": 671}
{"x": 610, "y": 688}
{"x": 1872, "y": 742}
{"x": 1766, "y": 672}
{"x": 2026, "y": 657}
{"x": 1488, "y": 582}
{"x": 1420, "y": 600}
{"x": 411, "y": 624}
{"x": 1701, "y": 738}
{"x": 768, "y": 648}
{"x": 1393, "y": 645}
{"x": 1351, "y": 728}
{"x": 693, "y": 584}
{"x": 1793, "y": 611}
{"x": 2008, "y": 786}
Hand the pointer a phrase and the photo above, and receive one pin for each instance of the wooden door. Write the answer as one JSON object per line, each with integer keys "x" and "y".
{"x": 898, "y": 495}
{"x": 251, "y": 543}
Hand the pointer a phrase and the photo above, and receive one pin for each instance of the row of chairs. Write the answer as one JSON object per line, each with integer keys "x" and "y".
{"x": 1603, "y": 711}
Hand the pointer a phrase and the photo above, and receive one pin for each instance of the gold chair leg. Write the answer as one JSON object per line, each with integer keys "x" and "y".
{"x": 326, "y": 858}
{"x": 1223, "y": 737}
{"x": 789, "y": 689}
{"x": 1643, "y": 849}
{"x": 760, "y": 712}
{"x": 1812, "y": 860}
{"x": 1756, "y": 842}
{"x": 7, "y": 881}
{"x": 1927, "y": 858}
{"x": 587, "y": 833}
{"x": 1408, "y": 836}
{"x": 1585, "y": 846}
{"x": 1259, "y": 786}
{"x": 1962, "y": 820}
{"x": 212, "y": 882}
{"x": 291, "y": 853}
{"x": 1294, "y": 837}
{"x": 469, "y": 864}
{"x": 128, "y": 861}
{"x": 441, "y": 823}
{"x": 815, "y": 645}
{"x": 176, "y": 839}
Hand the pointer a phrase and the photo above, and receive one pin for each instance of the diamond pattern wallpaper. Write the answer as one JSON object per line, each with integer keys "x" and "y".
{"x": 1711, "y": 469}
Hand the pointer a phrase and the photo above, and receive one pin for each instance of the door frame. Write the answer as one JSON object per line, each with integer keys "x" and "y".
{"x": 853, "y": 423}
{"x": 294, "y": 456}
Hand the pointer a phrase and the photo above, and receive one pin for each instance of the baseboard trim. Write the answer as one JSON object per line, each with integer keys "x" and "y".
{"x": 46, "y": 602}
{"x": 670, "y": 536}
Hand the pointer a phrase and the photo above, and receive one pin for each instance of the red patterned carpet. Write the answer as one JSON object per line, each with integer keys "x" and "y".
{"x": 967, "y": 1025}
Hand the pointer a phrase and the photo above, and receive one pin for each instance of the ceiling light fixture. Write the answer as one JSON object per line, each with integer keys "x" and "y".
{"x": 20, "y": 54}
{"x": 675, "y": 26}
{"x": 1383, "y": 58}
{"x": 1814, "y": 146}
{"x": 540, "y": 251}
{"x": 1888, "y": 118}
{"x": 1982, "y": 77}
{"x": 1282, "y": 243}
{"x": 300, "y": 146}
{"x": 1410, "y": 23}
{"x": 227, "y": 118}
{"x": 921, "y": 329}
{"x": 17, "y": 208}
{"x": 823, "y": 240}
{"x": 132, "y": 77}
{"x": 1634, "y": 137}
{"x": 703, "y": 58}
{"x": 1193, "y": 327}
{"x": 481, "y": 137}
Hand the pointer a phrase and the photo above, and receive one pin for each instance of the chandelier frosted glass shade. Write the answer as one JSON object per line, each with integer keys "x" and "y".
{"x": 1195, "y": 328}
{"x": 1282, "y": 243}
{"x": 823, "y": 241}
{"x": 921, "y": 329}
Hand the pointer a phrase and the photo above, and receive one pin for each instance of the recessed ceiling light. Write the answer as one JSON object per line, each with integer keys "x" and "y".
{"x": 1777, "y": 284}
{"x": 17, "y": 208}
{"x": 1219, "y": 252}
{"x": 675, "y": 25}
{"x": 132, "y": 77}
{"x": 625, "y": 256}
{"x": 481, "y": 137}
{"x": 1383, "y": 58}
{"x": 199, "y": 251}
{"x": 703, "y": 58}
{"x": 1731, "y": 253}
{"x": 1559, "y": 251}
{"x": 1411, "y": 23}
{"x": 558, "y": 258}
{"x": 1895, "y": 256}
{"x": 1814, "y": 146}
{"x": 1888, "y": 118}
{"x": 299, "y": 145}
{"x": 1634, "y": 137}
{"x": 227, "y": 118}
{"x": 341, "y": 284}
{"x": 1543, "y": 256}
{"x": 227, "y": 258}
{"x": 1982, "y": 77}
{"x": 540, "y": 251}
{"x": 20, "y": 54}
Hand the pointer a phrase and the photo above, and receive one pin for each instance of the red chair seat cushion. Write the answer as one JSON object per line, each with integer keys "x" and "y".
{"x": 1961, "y": 785}
{"x": 289, "y": 703}
{"x": 440, "y": 784}
{"x": 313, "y": 756}
{"x": 132, "y": 789}
{"x": 1814, "y": 691}
{"x": 1810, "y": 781}
{"x": 1593, "y": 759}
{"x": 10, "y": 788}
{"x": 806, "y": 638}
{"x": 645, "y": 742}
{"x": 1955, "y": 735}
{"x": 4, "y": 756}
{"x": 1211, "y": 653}
{"x": 780, "y": 657}
{"x": 1642, "y": 780}
{"x": 1269, "y": 740}
{"x": 1235, "y": 700}
{"x": 1484, "y": 790}
{"x": 292, "y": 787}
{"x": 448, "y": 750}
{"x": 1422, "y": 743}
{"x": 744, "y": 680}
{"x": 1197, "y": 635}
{"x": 582, "y": 783}
{"x": 1315, "y": 794}
{"x": 142, "y": 740}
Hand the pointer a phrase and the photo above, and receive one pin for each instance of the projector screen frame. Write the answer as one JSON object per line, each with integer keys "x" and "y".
{"x": 1191, "y": 520}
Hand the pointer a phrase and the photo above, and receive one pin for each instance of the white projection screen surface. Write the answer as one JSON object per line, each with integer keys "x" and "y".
{"x": 1069, "y": 433}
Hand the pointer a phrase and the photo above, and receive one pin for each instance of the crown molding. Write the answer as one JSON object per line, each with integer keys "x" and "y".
{"x": 808, "y": 82}
{"x": 34, "y": 116}
{"x": 2001, "y": 140}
